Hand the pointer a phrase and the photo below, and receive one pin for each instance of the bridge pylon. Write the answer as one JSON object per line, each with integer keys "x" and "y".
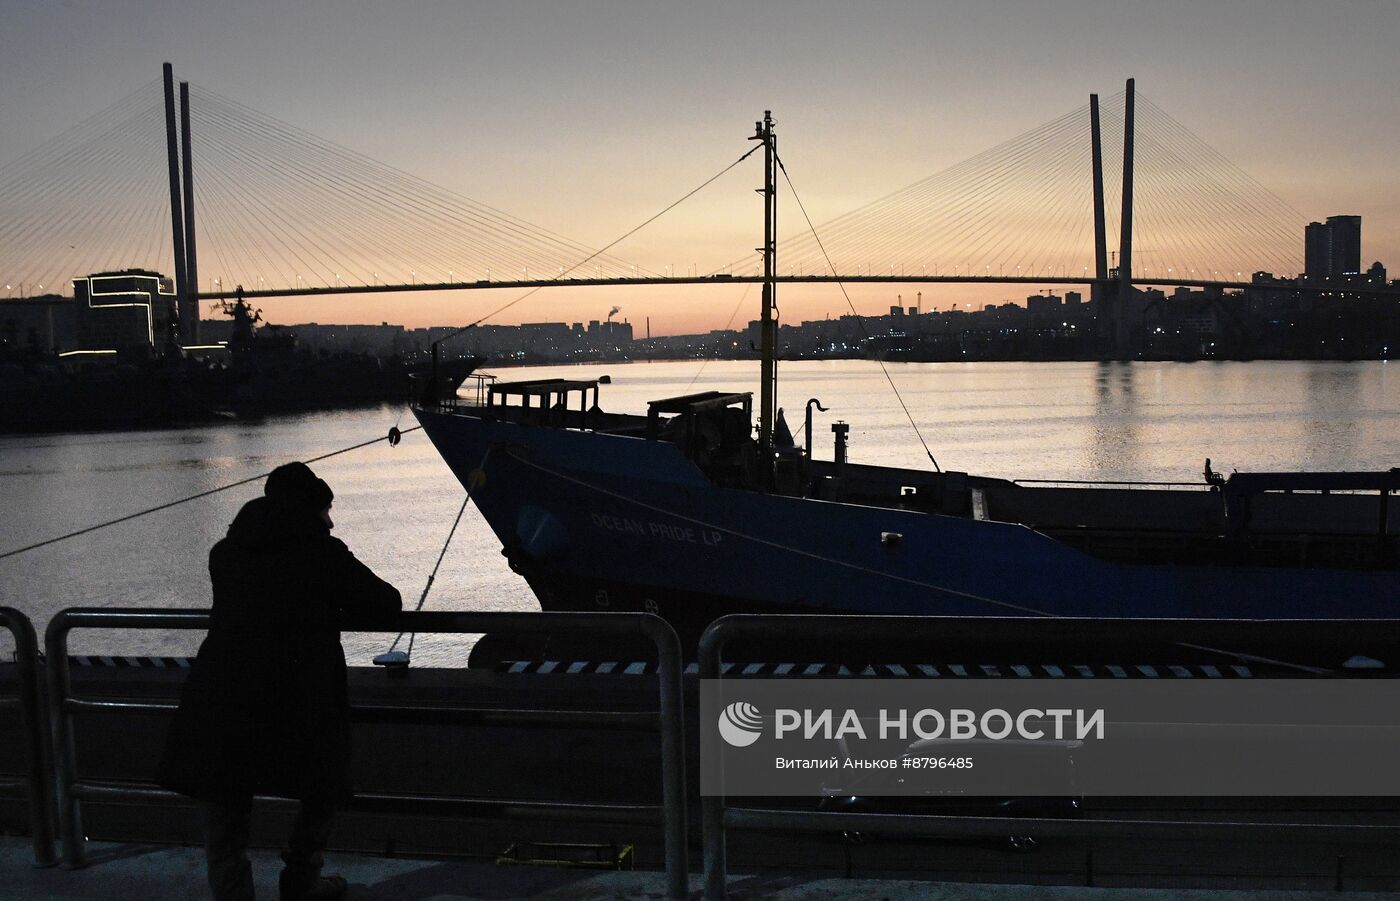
{"x": 1121, "y": 334}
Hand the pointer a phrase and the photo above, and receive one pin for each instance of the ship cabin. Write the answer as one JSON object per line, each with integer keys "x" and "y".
{"x": 545, "y": 401}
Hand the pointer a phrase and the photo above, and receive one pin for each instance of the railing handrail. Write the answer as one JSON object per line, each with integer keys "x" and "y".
{"x": 670, "y": 715}
{"x": 716, "y": 816}
{"x": 34, "y": 727}
{"x": 942, "y": 825}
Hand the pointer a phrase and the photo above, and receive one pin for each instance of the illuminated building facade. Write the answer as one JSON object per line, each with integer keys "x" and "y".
{"x": 129, "y": 312}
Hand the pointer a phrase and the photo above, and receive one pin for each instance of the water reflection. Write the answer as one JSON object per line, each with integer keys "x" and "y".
{"x": 1144, "y": 421}
{"x": 1330, "y": 430}
{"x": 1114, "y": 445}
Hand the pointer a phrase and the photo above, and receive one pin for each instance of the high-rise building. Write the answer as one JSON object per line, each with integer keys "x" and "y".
{"x": 1317, "y": 250}
{"x": 1332, "y": 248}
{"x": 1346, "y": 244}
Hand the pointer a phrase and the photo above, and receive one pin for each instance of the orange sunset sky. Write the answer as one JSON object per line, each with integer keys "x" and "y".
{"x": 587, "y": 118}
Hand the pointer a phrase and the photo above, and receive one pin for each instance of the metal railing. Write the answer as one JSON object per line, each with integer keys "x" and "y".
{"x": 1130, "y": 485}
{"x": 717, "y": 816}
{"x": 33, "y": 728}
{"x": 668, "y": 720}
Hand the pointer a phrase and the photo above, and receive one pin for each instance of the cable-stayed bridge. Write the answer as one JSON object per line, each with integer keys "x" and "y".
{"x": 280, "y": 212}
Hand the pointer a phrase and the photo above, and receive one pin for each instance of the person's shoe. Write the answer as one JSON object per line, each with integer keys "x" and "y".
{"x": 320, "y": 888}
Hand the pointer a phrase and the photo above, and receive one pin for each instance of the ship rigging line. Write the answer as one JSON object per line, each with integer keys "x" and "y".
{"x": 1253, "y": 658}
{"x": 472, "y": 482}
{"x": 166, "y": 506}
{"x": 705, "y": 362}
{"x": 860, "y": 320}
{"x": 602, "y": 250}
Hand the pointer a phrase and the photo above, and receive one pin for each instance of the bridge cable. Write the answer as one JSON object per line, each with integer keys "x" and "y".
{"x": 330, "y": 176}
{"x": 290, "y": 134}
{"x": 900, "y": 221}
{"x": 335, "y": 198}
{"x": 183, "y": 500}
{"x": 993, "y": 164}
{"x": 859, "y": 319}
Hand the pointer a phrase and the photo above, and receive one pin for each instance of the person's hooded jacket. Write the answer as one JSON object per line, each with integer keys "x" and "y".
{"x": 264, "y": 710}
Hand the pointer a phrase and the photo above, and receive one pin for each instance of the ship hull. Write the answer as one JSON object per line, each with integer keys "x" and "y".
{"x": 608, "y": 522}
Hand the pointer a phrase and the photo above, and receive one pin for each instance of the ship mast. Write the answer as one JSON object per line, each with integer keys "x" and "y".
{"x": 763, "y": 131}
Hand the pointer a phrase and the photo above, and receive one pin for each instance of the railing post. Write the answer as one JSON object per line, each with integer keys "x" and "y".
{"x": 712, "y": 806}
{"x": 70, "y": 817}
{"x": 672, "y": 716}
{"x": 34, "y": 725}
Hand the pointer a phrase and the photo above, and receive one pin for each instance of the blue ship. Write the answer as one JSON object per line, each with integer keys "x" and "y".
{"x": 682, "y": 513}
{"x": 691, "y": 512}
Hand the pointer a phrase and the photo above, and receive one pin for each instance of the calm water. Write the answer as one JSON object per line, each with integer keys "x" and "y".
{"x": 394, "y": 506}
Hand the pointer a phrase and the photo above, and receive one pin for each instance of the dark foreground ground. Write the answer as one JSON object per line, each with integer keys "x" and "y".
{"x": 158, "y": 873}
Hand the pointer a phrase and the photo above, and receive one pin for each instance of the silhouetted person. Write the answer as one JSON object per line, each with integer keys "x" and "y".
{"x": 264, "y": 710}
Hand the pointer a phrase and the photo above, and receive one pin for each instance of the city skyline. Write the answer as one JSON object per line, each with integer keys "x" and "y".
{"x": 862, "y": 110}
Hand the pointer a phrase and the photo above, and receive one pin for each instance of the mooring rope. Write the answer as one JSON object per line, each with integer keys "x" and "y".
{"x": 472, "y": 481}
{"x": 392, "y": 437}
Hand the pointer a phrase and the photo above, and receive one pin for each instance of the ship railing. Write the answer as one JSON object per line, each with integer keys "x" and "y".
{"x": 473, "y": 393}
{"x": 667, "y": 720}
{"x": 1095, "y": 483}
{"x": 35, "y": 737}
{"x": 717, "y": 817}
